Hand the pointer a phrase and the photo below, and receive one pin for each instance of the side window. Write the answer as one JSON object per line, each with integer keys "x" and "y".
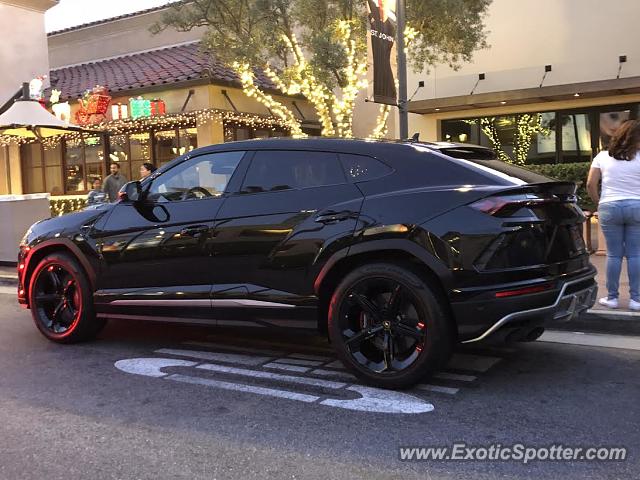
{"x": 360, "y": 168}
{"x": 285, "y": 170}
{"x": 200, "y": 177}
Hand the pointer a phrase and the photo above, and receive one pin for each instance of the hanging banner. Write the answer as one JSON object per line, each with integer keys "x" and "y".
{"x": 382, "y": 61}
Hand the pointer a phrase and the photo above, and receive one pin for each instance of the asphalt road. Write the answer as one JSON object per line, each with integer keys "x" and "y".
{"x": 97, "y": 411}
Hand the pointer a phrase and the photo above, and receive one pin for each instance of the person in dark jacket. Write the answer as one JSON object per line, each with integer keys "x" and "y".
{"x": 96, "y": 195}
{"x": 114, "y": 182}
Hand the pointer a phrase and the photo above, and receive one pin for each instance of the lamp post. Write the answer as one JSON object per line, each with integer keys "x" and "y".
{"x": 401, "y": 13}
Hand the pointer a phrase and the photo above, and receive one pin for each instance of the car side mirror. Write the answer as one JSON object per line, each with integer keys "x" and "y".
{"x": 131, "y": 192}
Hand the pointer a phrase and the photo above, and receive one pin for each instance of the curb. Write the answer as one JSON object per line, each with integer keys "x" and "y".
{"x": 600, "y": 321}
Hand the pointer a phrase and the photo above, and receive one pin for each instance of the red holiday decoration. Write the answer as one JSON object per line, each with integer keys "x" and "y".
{"x": 158, "y": 107}
{"x": 93, "y": 106}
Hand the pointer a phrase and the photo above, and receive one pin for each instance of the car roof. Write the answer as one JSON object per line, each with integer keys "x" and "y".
{"x": 357, "y": 146}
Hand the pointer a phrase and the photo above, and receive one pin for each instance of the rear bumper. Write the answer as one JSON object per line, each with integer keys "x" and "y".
{"x": 576, "y": 296}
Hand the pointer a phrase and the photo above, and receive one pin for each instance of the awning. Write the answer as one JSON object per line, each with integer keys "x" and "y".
{"x": 600, "y": 88}
{"x": 27, "y": 120}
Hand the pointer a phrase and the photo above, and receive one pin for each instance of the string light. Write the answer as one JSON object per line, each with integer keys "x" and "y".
{"x": 381, "y": 128}
{"x": 527, "y": 126}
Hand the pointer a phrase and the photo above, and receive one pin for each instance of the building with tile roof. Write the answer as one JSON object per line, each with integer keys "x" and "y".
{"x": 153, "y": 97}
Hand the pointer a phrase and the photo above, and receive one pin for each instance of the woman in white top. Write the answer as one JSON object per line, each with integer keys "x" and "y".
{"x": 619, "y": 209}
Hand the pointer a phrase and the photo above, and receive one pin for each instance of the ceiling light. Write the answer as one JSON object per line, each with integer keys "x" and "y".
{"x": 503, "y": 102}
{"x": 576, "y": 94}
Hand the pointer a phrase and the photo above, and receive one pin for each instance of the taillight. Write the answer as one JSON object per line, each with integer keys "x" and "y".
{"x": 504, "y": 205}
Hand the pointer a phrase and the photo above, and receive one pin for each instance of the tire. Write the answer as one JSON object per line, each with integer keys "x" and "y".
{"x": 61, "y": 300}
{"x": 409, "y": 337}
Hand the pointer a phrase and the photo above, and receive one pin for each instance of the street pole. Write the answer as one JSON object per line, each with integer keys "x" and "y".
{"x": 401, "y": 14}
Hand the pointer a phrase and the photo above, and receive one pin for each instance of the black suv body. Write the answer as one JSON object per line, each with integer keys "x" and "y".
{"x": 397, "y": 249}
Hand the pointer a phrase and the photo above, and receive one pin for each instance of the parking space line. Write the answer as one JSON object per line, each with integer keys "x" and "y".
{"x": 474, "y": 363}
{"x": 239, "y": 387}
{"x": 8, "y": 290}
{"x": 297, "y": 361}
{"x": 288, "y": 368}
{"x": 437, "y": 388}
{"x": 316, "y": 382}
{"x": 454, "y": 376}
{"x": 216, "y": 356}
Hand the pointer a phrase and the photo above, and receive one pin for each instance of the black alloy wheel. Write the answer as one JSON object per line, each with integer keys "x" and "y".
{"x": 388, "y": 325}
{"x": 61, "y": 300}
{"x": 57, "y": 298}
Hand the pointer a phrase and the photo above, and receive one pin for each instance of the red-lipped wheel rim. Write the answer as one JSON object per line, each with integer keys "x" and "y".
{"x": 57, "y": 298}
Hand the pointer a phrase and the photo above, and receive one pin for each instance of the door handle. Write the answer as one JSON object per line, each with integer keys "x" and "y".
{"x": 194, "y": 230}
{"x": 330, "y": 216}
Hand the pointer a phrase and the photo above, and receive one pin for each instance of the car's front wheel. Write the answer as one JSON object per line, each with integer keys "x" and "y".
{"x": 61, "y": 300}
{"x": 388, "y": 325}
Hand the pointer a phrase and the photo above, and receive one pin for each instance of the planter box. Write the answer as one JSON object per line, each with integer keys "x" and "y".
{"x": 17, "y": 214}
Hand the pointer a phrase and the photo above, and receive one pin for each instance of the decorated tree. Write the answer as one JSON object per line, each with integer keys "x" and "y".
{"x": 317, "y": 48}
{"x": 525, "y": 127}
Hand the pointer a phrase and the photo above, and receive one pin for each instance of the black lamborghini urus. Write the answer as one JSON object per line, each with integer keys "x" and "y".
{"x": 397, "y": 250}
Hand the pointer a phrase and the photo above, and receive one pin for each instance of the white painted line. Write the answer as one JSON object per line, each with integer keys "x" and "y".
{"x": 337, "y": 364}
{"x": 216, "y": 356}
{"x": 591, "y": 339}
{"x": 371, "y": 399}
{"x": 150, "y": 367}
{"x": 8, "y": 290}
{"x": 474, "y": 363}
{"x": 382, "y": 401}
{"x": 454, "y": 376}
{"x": 239, "y": 387}
{"x": 437, "y": 388}
{"x": 619, "y": 313}
{"x": 288, "y": 368}
{"x": 304, "y": 356}
{"x": 272, "y": 376}
{"x": 297, "y": 361}
{"x": 335, "y": 374}
{"x": 236, "y": 348}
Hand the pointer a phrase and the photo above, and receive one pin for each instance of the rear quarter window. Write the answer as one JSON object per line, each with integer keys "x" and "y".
{"x": 360, "y": 168}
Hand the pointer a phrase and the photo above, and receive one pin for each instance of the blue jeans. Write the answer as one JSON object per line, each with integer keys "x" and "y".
{"x": 620, "y": 223}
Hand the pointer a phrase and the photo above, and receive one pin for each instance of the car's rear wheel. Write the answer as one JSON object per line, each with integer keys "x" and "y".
{"x": 388, "y": 325}
{"x": 61, "y": 300}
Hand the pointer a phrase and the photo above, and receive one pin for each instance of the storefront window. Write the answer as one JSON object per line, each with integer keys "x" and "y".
{"x": 188, "y": 139}
{"x": 53, "y": 169}
{"x": 546, "y": 137}
{"x": 609, "y": 123}
{"x": 74, "y": 161}
{"x": 576, "y": 137}
{"x": 119, "y": 153}
{"x": 94, "y": 159}
{"x": 234, "y": 132}
{"x": 31, "y": 154}
{"x": 140, "y": 146}
{"x": 167, "y": 146}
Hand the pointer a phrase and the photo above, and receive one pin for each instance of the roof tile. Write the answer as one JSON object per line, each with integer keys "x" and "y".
{"x": 141, "y": 70}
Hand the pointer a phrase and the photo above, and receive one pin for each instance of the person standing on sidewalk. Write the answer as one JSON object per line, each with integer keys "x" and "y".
{"x": 619, "y": 209}
{"x": 114, "y": 182}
